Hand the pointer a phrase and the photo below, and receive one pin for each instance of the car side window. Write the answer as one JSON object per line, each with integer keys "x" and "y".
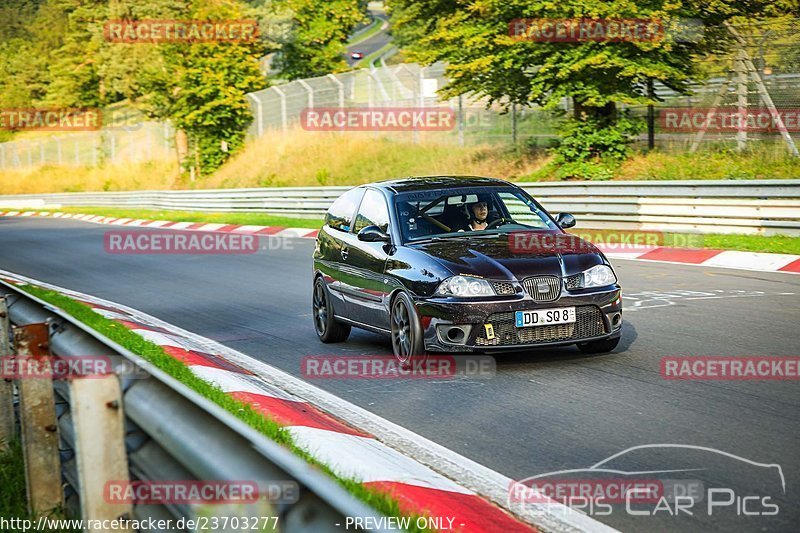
{"x": 340, "y": 214}
{"x": 373, "y": 212}
{"x": 521, "y": 211}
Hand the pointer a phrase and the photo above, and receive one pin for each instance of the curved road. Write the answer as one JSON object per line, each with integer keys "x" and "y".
{"x": 374, "y": 42}
{"x": 543, "y": 411}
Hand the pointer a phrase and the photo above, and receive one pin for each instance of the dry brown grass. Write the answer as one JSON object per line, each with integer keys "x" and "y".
{"x": 120, "y": 177}
{"x": 296, "y": 158}
{"x": 301, "y": 158}
{"x": 305, "y": 158}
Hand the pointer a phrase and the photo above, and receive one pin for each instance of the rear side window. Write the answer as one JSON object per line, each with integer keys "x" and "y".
{"x": 340, "y": 214}
{"x": 373, "y": 212}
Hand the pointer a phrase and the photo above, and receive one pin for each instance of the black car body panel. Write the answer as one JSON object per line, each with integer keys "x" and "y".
{"x": 362, "y": 277}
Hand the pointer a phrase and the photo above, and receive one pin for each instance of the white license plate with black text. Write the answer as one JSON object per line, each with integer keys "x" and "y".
{"x": 544, "y": 317}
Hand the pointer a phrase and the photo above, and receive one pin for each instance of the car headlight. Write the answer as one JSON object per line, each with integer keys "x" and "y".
{"x": 465, "y": 287}
{"x": 598, "y": 276}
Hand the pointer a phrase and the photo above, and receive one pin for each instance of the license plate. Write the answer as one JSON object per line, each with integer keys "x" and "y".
{"x": 544, "y": 317}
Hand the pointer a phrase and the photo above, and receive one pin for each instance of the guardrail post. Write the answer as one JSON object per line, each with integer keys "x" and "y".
{"x": 310, "y": 92}
{"x": 514, "y": 123}
{"x": 99, "y": 423}
{"x": 340, "y": 86}
{"x": 284, "y": 118}
{"x": 460, "y": 121}
{"x": 259, "y": 114}
{"x": 7, "y": 425}
{"x": 37, "y": 413}
{"x": 741, "y": 101}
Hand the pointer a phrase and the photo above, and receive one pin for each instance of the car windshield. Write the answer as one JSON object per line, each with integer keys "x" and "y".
{"x": 468, "y": 211}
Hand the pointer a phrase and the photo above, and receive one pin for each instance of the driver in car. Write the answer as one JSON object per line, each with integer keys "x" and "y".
{"x": 479, "y": 215}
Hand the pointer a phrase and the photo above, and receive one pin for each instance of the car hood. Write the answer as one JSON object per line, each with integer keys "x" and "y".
{"x": 493, "y": 256}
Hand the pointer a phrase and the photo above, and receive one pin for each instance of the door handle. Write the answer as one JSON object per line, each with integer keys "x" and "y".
{"x": 344, "y": 252}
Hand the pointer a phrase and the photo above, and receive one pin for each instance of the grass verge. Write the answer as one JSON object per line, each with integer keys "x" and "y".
{"x": 255, "y": 219}
{"x": 13, "y": 504}
{"x": 153, "y": 353}
{"x": 372, "y": 29}
{"x": 374, "y": 56}
{"x": 305, "y": 158}
{"x": 780, "y": 244}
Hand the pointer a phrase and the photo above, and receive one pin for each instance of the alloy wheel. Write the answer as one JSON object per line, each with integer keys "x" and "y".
{"x": 320, "y": 309}
{"x": 402, "y": 333}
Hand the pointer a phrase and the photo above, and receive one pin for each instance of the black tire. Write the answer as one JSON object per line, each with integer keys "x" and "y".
{"x": 407, "y": 334}
{"x": 327, "y": 327}
{"x": 603, "y": 346}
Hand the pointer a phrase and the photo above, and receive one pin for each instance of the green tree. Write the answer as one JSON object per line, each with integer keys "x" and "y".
{"x": 201, "y": 87}
{"x": 473, "y": 38}
{"x": 315, "y": 44}
{"x": 29, "y": 33}
{"x": 74, "y": 80}
{"x": 55, "y": 54}
{"x": 124, "y": 68}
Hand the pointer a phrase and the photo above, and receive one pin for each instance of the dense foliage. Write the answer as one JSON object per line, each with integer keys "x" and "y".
{"x": 315, "y": 44}
{"x": 473, "y": 38}
{"x": 53, "y": 53}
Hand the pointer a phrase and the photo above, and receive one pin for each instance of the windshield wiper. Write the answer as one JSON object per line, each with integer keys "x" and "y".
{"x": 427, "y": 239}
{"x": 435, "y": 238}
{"x": 487, "y": 233}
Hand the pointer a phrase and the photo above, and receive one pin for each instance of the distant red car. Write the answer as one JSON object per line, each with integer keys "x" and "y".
{"x": 358, "y": 54}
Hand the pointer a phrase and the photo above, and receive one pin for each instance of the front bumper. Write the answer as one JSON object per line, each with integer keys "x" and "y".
{"x": 598, "y": 316}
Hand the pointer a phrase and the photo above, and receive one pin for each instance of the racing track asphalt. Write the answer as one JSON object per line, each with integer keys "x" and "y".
{"x": 544, "y": 410}
{"x": 373, "y": 43}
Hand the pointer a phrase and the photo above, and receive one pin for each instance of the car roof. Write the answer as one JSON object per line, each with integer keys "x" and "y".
{"x": 416, "y": 183}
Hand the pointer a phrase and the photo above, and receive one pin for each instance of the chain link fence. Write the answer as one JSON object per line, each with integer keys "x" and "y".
{"x": 144, "y": 141}
{"x": 405, "y": 85}
{"x": 757, "y": 76}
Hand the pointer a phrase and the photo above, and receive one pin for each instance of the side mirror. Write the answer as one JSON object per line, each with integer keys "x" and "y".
{"x": 565, "y": 220}
{"x": 373, "y": 234}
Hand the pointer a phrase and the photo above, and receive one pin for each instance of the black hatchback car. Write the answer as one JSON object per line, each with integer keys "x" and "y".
{"x": 455, "y": 264}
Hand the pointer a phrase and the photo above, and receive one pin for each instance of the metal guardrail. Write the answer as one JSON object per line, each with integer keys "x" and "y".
{"x": 173, "y": 433}
{"x": 713, "y": 206}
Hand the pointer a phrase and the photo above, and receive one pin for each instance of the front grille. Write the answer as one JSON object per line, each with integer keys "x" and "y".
{"x": 588, "y": 323}
{"x": 504, "y": 287}
{"x": 573, "y": 282}
{"x": 552, "y": 283}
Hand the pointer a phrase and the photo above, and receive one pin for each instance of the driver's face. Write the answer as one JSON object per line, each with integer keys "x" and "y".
{"x": 480, "y": 210}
